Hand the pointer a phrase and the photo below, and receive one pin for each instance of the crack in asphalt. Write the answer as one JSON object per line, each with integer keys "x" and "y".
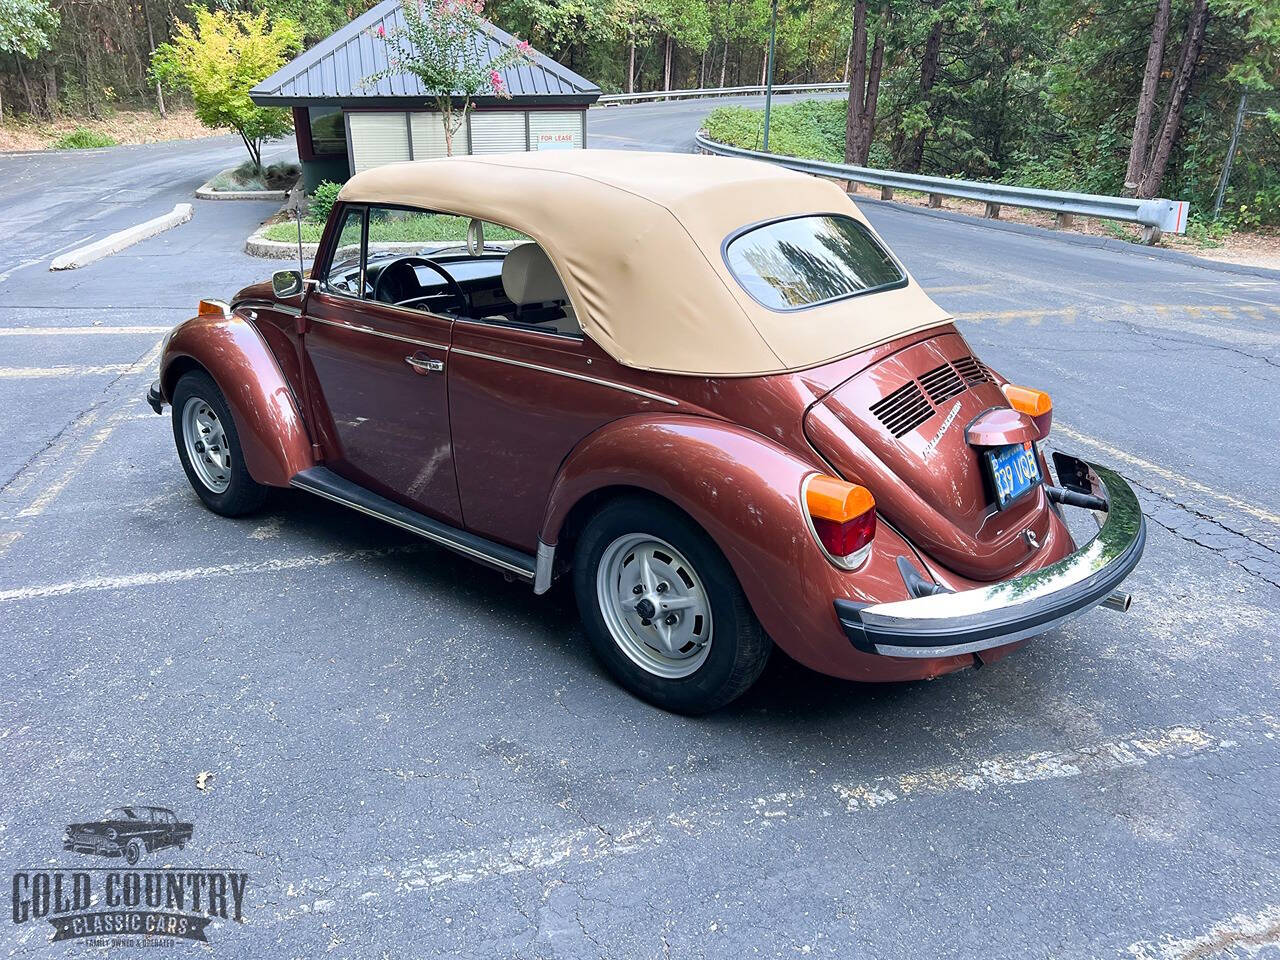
{"x": 1270, "y": 568}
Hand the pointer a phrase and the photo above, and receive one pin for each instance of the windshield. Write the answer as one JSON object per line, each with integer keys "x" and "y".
{"x": 803, "y": 261}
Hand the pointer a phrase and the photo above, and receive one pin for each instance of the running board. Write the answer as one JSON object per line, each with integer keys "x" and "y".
{"x": 325, "y": 483}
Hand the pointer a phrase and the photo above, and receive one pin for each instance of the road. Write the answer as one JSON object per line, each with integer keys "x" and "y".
{"x": 410, "y": 756}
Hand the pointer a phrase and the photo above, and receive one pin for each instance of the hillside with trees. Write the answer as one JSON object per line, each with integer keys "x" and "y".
{"x": 1138, "y": 96}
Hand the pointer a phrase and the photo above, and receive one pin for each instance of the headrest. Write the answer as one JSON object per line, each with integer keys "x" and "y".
{"x": 529, "y": 277}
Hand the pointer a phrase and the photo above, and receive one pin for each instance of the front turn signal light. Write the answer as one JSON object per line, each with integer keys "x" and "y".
{"x": 1034, "y": 403}
{"x": 843, "y": 518}
{"x": 214, "y": 308}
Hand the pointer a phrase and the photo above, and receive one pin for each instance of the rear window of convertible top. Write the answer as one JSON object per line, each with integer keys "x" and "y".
{"x": 803, "y": 261}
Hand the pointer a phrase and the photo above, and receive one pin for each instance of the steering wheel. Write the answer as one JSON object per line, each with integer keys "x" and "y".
{"x": 395, "y": 266}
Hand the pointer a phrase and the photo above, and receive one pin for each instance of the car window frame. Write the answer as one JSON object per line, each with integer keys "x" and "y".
{"x": 770, "y": 221}
{"x": 332, "y": 248}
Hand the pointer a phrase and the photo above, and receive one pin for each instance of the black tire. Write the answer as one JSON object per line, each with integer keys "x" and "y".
{"x": 133, "y": 852}
{"x": 243, "y": 494}
{"x": 739, "y": 647}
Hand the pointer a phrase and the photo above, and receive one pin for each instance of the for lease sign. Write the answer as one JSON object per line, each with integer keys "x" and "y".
{"x": 553, "y": 141}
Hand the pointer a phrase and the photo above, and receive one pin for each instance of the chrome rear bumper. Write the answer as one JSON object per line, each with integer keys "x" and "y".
{"x": 947, "y": 624}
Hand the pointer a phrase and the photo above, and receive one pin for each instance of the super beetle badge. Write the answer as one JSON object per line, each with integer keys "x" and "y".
{"x": 702, "y": 390}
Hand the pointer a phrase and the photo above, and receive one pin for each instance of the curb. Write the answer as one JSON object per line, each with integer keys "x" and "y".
{"x": 206, "y": 192}
{"x": 259, "y": 246}
{"x": 118, "y": 241}
{"x": 1079, "y": 239}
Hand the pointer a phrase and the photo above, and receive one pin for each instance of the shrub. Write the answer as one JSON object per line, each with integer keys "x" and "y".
{"x": 322, "y": 200}
{"x": 82, "y": 139}
{"x": 811, "y": 128}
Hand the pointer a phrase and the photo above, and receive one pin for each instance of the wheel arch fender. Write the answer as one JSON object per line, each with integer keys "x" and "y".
{"x": 741, "y": 488}
{"x": 268, "y": 418}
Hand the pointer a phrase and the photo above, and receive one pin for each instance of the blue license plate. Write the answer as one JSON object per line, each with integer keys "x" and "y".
{"x": 1014, "y": 471}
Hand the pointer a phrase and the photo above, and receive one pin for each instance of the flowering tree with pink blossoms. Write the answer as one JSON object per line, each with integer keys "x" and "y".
{"x": 443, "y": 44}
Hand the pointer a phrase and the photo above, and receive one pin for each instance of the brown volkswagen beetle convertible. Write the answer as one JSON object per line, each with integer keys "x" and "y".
{"x": 701, "y": 390}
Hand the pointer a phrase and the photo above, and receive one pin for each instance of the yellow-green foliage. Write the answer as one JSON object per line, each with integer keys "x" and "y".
{"x": 219, "y": 61}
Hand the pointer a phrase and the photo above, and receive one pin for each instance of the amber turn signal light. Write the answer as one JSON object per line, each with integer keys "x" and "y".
{"x": 213, "y": 308}
{"x": 844, "y": 518}
{"x": 831, "y": 499}
{"x": 1034, "y": 403}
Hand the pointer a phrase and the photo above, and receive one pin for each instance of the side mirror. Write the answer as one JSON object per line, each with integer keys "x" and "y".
{"x": 286, "y": 283}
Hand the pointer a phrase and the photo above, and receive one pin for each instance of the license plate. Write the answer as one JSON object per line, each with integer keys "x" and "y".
{"x": 1014, "y": 471}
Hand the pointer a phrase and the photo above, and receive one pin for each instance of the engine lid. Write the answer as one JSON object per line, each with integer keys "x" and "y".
{"x": 900, "y": 428}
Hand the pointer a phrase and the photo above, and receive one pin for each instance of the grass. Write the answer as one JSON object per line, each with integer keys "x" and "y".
{"x": 813, "y": 129}
{"x": 278, "y": 176}
{"x": 84, "y": 139}
{"x": 417, "y": 228}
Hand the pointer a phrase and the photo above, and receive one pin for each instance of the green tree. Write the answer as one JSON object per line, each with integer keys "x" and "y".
{"x": 26, "y": 28}
{"x": 219, "y": 61}
{"x": 437, "y": 44}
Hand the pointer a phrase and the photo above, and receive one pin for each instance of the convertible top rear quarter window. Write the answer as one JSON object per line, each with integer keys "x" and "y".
{"x": 804, "y": 261}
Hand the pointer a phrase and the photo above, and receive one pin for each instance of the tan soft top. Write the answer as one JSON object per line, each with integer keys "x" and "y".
{"x": 636, "y": 239}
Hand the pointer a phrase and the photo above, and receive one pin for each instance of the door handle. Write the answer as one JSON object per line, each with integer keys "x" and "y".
{"x": 422, "y": 364}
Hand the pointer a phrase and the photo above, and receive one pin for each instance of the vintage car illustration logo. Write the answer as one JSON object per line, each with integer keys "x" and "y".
{"x": 129, "y": 832}
{"x": 129, "y": 904}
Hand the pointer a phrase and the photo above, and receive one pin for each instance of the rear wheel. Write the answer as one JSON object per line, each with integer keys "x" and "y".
{"x": 209, "y": 447}
{"x": 663, "y": 609}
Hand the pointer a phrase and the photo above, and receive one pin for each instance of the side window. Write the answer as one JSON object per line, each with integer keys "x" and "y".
{"x": 346, "y": 266}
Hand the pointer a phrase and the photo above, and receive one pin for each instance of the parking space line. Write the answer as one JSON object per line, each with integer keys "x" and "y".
{"x": 8, "y": 539}
{"x": 79, "y": 331}
{"x": 1241, "y": 934}
{"x": 160, "y": 577}
{"x": 1175, "y": 478}
{"x": 37, "y": 373}
{"x": 78, "y": 460}
{"x": 1178, "y": 741}
{"x": 321, "y": 894}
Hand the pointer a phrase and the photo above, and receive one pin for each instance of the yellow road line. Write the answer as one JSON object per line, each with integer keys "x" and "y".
{"x": 1175, "y": 478}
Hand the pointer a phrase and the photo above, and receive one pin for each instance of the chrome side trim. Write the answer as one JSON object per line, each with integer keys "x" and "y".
{"x": 542, "y": 567}
{"x": 445, "y": 541}
{"x": 379, "y": 333}
{"x": 568, "y": 373}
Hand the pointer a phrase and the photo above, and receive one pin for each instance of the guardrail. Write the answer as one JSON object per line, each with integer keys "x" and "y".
{"x": 1154, "y": 216}
{"x": 613, "y": 98}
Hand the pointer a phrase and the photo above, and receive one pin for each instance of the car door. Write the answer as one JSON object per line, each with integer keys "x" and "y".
{"x": 379, "y": 370}
{"x": 521, "y": 397}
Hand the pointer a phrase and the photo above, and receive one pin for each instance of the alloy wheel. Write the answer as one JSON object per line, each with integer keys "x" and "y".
{"x": 654, "y": 605}
{"x": 205, "y": 438}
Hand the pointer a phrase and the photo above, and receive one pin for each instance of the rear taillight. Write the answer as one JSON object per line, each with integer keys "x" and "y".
{"x": 843, "y": 518}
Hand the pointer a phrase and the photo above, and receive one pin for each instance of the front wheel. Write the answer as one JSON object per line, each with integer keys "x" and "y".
{"x": 663, "y": 609}
{"x": 209, "y": 447}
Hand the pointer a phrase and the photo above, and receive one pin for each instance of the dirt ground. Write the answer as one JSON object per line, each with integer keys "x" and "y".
{"x": 126, "y": 126}
{"x": 1260, "y": 249}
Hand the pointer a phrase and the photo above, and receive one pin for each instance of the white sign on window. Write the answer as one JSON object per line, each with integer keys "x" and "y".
{"x": 554, "y": 141}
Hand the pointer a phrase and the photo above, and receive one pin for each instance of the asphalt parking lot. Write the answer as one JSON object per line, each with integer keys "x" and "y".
{"x": 410, "y": 756}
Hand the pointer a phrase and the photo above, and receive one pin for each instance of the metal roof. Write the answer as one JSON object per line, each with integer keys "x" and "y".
{"x": 331, "y": 72}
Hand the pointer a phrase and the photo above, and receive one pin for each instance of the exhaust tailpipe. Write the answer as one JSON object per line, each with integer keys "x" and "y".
{"x": 1119, "y": 600}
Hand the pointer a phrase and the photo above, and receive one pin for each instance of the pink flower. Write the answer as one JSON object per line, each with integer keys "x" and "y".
{"x": 496, "y": 79}
{"x": 522, "y": 46}
{"x": 382, "y": 31}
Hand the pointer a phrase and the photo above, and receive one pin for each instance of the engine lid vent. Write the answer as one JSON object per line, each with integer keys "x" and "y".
{"x": 942, "y": 383}
{"x": 903, "y": 410}
{"x": 908, "y": 406}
